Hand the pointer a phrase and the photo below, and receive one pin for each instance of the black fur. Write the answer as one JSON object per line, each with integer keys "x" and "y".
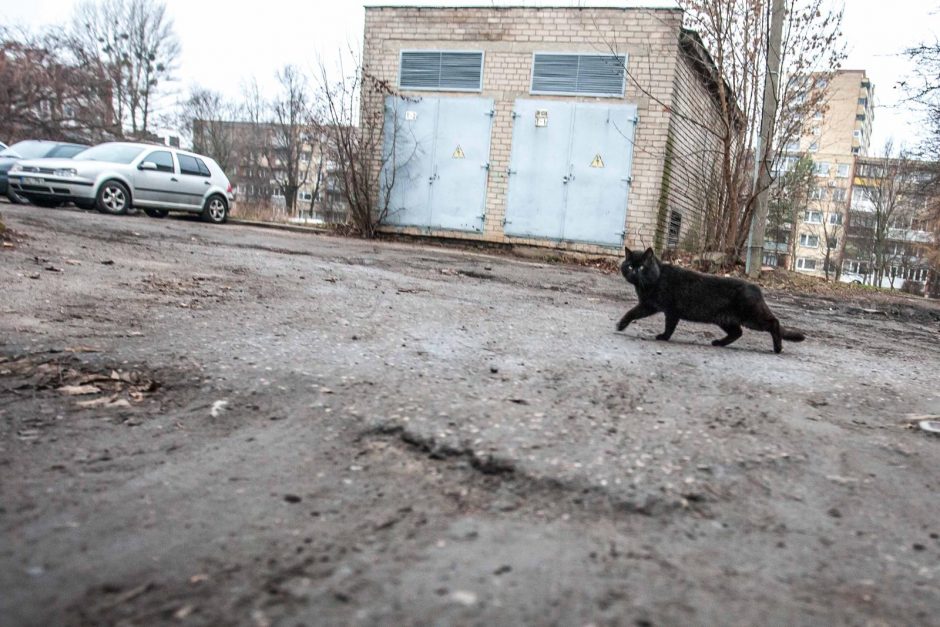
{"x": 686, "y": 295}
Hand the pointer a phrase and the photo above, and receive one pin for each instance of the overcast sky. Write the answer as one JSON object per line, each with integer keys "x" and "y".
{"x": 224, "y": 44}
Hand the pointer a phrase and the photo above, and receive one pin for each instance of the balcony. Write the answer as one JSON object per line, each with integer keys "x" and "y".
{"x": 910, "y": 235}
{"x": 776, "y": 247}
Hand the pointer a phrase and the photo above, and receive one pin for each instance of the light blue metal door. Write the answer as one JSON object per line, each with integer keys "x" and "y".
{"x": 538, "y": 168}
{"x": 569, "y": 173}
{"x": 408, "y": 155}
{"x": 436, "y": 161}
{"x": 599, "y": 180}
{"x": 461, "y": 163}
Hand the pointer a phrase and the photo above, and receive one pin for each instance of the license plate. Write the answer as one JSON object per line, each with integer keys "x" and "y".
{"x": 28, "y": 180}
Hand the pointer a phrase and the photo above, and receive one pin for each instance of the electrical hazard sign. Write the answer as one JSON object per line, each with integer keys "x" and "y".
{"x": 597, "y": 162}
{"x": 458, "y": 153}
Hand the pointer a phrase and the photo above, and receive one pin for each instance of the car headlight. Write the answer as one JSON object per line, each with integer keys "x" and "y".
{"x": 16, "y": 168}
{"x": 66, "y": 172}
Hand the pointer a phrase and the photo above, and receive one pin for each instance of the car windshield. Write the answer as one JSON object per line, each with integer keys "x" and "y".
{"x": 27, "y": 150}
{"x": 112, "y": 153}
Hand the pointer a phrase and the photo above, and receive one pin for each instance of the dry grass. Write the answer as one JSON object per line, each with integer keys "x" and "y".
{"x": 260, "y": 212}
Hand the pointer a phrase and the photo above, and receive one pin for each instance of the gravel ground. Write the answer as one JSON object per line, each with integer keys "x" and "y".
{"x": 230, "y": 425}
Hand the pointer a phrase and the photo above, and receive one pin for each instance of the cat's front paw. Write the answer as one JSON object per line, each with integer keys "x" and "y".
{"x": 662, "y": 337}
{"x": 622, "y": 324}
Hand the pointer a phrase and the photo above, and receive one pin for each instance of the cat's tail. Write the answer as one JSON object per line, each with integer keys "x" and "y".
{"x": 792, "y": 335}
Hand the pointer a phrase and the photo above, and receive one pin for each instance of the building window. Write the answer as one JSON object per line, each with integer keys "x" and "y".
{"x": 304, "y": 196}
{"x": 863, "y": 102}
{"x": 792, "y": 146}
{"x": 857, "y": 134}
{"x": 843, "y": 171}
{"x": 855, "y": 267}
{"x": 832, "y": 243}
{"x": 818, "y": 193}
{"x": 809, "y": 241}
{"x": 860, "y": 117}
{"x": 675, "y": 227}
{"x": 821, "y": 169}
{"x": 812, "y": 217}
{"x": 814, "y": 147}
{"x": 438, "y": 70}
{"x": 598, "y": 75}
{"x": 855, "y": 150}
{"x": 804, "y": 263}
{"x": 818, "y": 115}
{"x": 838, "y": 194}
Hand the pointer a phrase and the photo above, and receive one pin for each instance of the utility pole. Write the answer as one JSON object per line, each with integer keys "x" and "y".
{"x": 755, "y": 246}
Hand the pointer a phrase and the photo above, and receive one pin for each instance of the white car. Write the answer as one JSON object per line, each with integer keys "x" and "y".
{"x": 116, "y": 176}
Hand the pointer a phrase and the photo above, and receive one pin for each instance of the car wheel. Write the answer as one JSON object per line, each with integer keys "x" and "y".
{"x": 48, "y": 203}
{"x": 113, "y": 198}
{"x": 157, "y": 213}
{"x": 15, "y": 198}
{"x": 215, "y": 210}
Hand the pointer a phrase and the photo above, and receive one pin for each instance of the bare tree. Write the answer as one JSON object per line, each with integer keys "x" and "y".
{"x": 923, "y": 88}
{"x": 133, "y": 44}
{"x": 45, "y": 94}
{"x": 292, "y": 130}
{"x": 734, "y": 36}
{"x": 829, "y": 233}
{"x": 208, "y": 118}
{"x": 355, "y": 126}
{"x": 885, "y": 197}
{"x": 789, "y": 197}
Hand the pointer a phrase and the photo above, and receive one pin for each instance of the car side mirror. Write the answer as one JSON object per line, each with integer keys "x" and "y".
{"x": 147, "y": 165}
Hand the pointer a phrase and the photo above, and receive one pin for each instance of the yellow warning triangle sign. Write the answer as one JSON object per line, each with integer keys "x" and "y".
{"x": 598, "y": 162}
{"x": 458, "y": 154}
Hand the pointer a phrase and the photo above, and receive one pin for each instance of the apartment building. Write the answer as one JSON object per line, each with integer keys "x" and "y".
{"x": 890, "y": 230}
{"x": 833, "y": 138}
{"x": 256, "y": 166}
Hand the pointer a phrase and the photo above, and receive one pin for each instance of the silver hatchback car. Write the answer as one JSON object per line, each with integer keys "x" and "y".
{"x": 113, "y": 177}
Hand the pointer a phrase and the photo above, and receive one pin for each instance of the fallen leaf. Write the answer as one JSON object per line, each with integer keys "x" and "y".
{"x": 78, "y": 390}
{"x": 107, "y": 262}
{"x": 73, "y": 262}
{"x": 108, "y": 402}
{"x": 199, "y": 578}
{"x": 53, "y": 269}
{"x": 184, "y": 611}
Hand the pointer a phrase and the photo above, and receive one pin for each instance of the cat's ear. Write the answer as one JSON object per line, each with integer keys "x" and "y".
{"x": 647, "y": 255}
{"x": 627, "y": 250}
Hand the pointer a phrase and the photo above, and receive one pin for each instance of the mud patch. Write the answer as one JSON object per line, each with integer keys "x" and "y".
{"x": 192, "y": 292}
{"x": 67, "y": 380}
{"x": 505, "y": 481}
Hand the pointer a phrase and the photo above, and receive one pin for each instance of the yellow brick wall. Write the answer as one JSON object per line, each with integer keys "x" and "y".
{"x": 509, "y": 37}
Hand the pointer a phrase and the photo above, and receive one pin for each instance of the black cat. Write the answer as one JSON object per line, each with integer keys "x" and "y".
{"x": 687, "y": 295}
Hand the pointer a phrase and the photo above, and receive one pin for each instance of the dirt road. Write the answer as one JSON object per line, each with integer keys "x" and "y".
{"x": 227, "y": 425}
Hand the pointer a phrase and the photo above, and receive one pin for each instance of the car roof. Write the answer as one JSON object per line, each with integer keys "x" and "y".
{"x": 50, "y": 142}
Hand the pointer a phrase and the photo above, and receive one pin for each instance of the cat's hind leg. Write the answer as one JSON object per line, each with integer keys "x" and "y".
{"x": 671, "y": 322}
{"x": 775, "y": 334}
{"x": 733, "y": 331}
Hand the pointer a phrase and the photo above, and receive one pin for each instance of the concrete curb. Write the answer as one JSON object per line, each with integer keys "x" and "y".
{"x": 296, "y": 228}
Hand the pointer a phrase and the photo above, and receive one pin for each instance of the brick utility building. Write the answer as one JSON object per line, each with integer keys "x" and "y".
{"x": 583, "y": 128}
